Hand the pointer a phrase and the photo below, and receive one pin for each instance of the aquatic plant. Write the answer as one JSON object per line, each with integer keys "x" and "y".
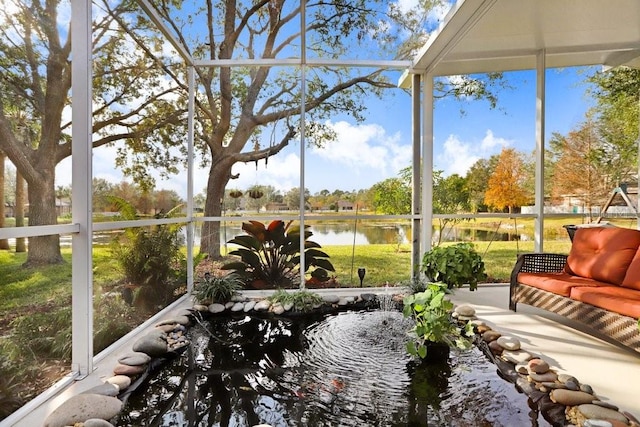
{"x": 302, "y": 300}
{"x": 431, "y": 312}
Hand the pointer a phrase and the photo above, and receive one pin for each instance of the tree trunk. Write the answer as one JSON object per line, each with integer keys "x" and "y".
{"x": 4, "y": 243}
{"x": 19, "y": 211}
{"x": 42, "y": 211}
{"x": 218, "y": 178}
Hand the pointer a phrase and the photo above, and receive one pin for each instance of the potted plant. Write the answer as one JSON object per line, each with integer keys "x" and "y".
{"x": 454, "y": 265}
{"x": 435, "y": 331}
{"x": 270, "y": 255}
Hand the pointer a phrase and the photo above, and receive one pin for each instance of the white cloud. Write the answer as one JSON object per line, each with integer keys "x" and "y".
{"x": 458, "y": 156}
{"x": 365, "y": 147}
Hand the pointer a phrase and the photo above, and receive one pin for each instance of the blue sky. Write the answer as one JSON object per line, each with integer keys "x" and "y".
{"x": 370, "y": 152}
{"x": 376, "y": 150}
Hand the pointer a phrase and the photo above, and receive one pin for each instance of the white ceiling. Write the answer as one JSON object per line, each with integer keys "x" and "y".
{"x": 480, "y": 36}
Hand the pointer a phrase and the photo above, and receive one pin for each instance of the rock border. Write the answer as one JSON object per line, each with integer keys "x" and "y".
{"x": 560, "y": 398}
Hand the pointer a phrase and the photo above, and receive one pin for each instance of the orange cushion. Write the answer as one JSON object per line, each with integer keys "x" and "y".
{"x": 612, "y": 298}
{"x": 603, "y": 253}
{"x": 632, "y": 278}
{"x": 558, "y": 283}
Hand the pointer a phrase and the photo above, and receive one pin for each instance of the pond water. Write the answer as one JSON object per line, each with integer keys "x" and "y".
{"x": 348, "y": 369}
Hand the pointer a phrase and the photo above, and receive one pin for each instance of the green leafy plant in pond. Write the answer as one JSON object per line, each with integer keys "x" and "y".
{"x": 218, "y": 289}
{"x": 431, "y": 312}
{"x": 454, "y": 265}
{"x": 302, "y": 300}
{"x": 270, "y": 255}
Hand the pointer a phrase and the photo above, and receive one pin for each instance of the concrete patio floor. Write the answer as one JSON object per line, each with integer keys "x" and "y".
{"x": 612, "y": 371}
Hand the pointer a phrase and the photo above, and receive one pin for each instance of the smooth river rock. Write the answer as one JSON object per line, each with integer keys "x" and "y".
{"x": 82, "y": 407}
{"x": 152, "y": 344}
{"x": 135, "y": 359}
{"x": 515, "y": 356}
{"x": 96, "y": 422}
{"x": 570, "y": 397}
{"x": 600, "y": 413}
{"x": 465, "y": 310}
{"x": 216, "y": 308}
{"x": 509, "y": 343}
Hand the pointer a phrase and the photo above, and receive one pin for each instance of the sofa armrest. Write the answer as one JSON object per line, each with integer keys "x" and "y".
{"x": 534, "y": 263}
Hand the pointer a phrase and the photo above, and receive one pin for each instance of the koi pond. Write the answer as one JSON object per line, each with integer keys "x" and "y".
{"x": 345, "y": 369}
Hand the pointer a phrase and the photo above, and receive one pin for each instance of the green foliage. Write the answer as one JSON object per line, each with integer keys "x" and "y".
{"x": 415, "y": 284}
{"x": 150, "y": 257}
{"x": 44, "y": 335}
{"x": 393, "y": 196}
{"x": 454, "y": 265}
{"x": 217, "y": 288}
{"x": 271, "y": 254}
{"x": 431, "y": 312}
{"x": 112, "y": 320}
{"x": 10, "y": 399}
{"x": 302, "y": 300}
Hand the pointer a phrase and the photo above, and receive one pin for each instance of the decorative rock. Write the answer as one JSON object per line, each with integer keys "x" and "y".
{"x": 548, "y": 376}
{"x": 570, "y": 397}
{"x": 491, "y": 336}
{"x": 605, "y": 404}
{"x": 181, "y": 320}
{"x": 586, "y": 388}
{"x": 216, "y": 308}
{"x": 509, "y": 343}
{"x": 538, "y": 366}
{"x": 563, "y": 378}
{"x": 631, "y": 417}
{"x": 82, "y": 407}
{"x": 515, "y": 356}
{"x": 466, "y": 318}
{"x": 120, "y": 381}
{"x": 521, "y": 368}
{"x": 342, "y": 302}
{"x": 229, "y": 304}
{"x": 200, "y": 307}
{"x": 121, "y": 369}
{"x": 330, "y": 299}
{"x": 238, "y": 298}
{"x": 97, "y": 422}
{"x": 495, "y": 347}
{"x": 368, "y": 297}
{"x": 135, "y": 359}
{"x": 553, "y": 385}
{"x": 482, "y": 329}
{"x": 478, "y": 322}
{"x": 350, "y": 299}
{"x": 262, "y": 305}
{"x": 592, "y": 411}
{"x": 288, "y": 306}
{"x": 104, "y": 389}
{"x": 152, "y": 344}
{"x": 277, "y": 309}
{"x": 249, "y": 306}
{"x": 465, "y": 310}
{"x": 572, "y": 385}
{"x": 238, "y": 306}
{"x": 166, "y": 328}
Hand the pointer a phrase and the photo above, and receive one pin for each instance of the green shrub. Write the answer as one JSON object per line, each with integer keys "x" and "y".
{"x": 454, "y": 265}
{"x": 150, "y": 258}
{"x": 270, "y": 255}
{"x": 112, "y": 320}
{"x": 218, "y": 289}
{"x": 10, "y": 399}
{"x": 44, "y": 335}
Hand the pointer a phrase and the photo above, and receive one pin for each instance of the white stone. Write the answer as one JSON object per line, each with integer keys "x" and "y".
{"x": 509, "y": 343}
{"x": 262, "y": 305}
{"x": 216, "y": 308}
{"x": 465, "y": 310}
{"x": 239, "y": 306}
{"x": 249, "y": 306}
{"x": 120, "y": 381}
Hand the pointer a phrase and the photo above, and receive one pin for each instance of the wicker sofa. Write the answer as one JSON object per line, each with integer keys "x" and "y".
{"x": 597, "y": 284}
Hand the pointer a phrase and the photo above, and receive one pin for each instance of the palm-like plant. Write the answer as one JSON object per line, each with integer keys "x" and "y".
{"x": 271, "y": 254}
